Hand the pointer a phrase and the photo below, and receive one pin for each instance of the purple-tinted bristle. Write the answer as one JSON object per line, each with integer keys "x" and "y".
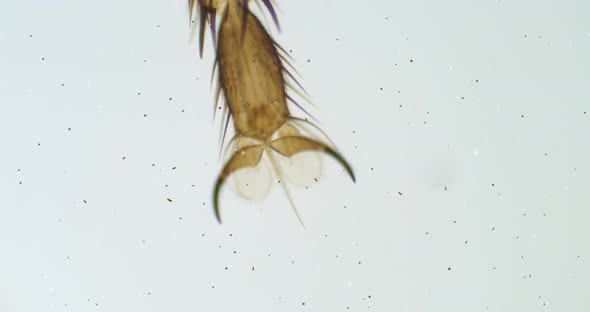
{"x": 295, "y": 80}
{"x": 272, "y": 12}
{"x": 212, "y": 15}
{"x": 299, "y": 106}
{"x": 225, "y": 128}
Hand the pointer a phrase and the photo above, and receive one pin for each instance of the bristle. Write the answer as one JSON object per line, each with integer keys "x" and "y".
{"x": 272, "y": 12}
{"x": 218, "y": 96}
{"x": 283, "y": 184}
{"x": 299, "y": 106}
{"x": 286, "y": 71}
{"x": 301, "y": 95}
{"x": 315, "y": 127}
{"x": 227, "y": 119}
{"x": 214, "y": 73}
{"x": 212, "y": 15}
{"x": 202, "y": 27}
{"x": 191, "y": 10}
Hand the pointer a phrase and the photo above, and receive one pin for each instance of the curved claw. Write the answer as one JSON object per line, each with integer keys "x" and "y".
{"x": 243, "y": 158}
{"x": 290, "y": 145}
{"x": 218, "y": 185}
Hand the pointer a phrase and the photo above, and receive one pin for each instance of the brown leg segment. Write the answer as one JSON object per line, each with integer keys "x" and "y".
{"x": 247, "y": 157}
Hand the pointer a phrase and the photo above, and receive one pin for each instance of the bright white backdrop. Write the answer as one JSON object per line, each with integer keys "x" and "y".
{"x": 467, "y": 123}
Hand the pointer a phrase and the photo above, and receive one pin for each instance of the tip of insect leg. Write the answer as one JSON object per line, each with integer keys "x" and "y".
{"x": 216, "y": 211}
{"x": 351, "y": 174}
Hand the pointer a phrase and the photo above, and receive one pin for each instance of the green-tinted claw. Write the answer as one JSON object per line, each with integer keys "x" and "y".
{"x": 290, "y": 145}
{"x": 243, "y": 158}
{"x": 342, "y": 161}
{"x": 218, "y": 185}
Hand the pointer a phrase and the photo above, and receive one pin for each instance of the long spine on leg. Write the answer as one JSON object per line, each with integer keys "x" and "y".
{"x": 283, "y": 183}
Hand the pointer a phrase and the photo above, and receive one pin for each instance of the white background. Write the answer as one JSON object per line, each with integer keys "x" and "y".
{"x": 467, "y": 123}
